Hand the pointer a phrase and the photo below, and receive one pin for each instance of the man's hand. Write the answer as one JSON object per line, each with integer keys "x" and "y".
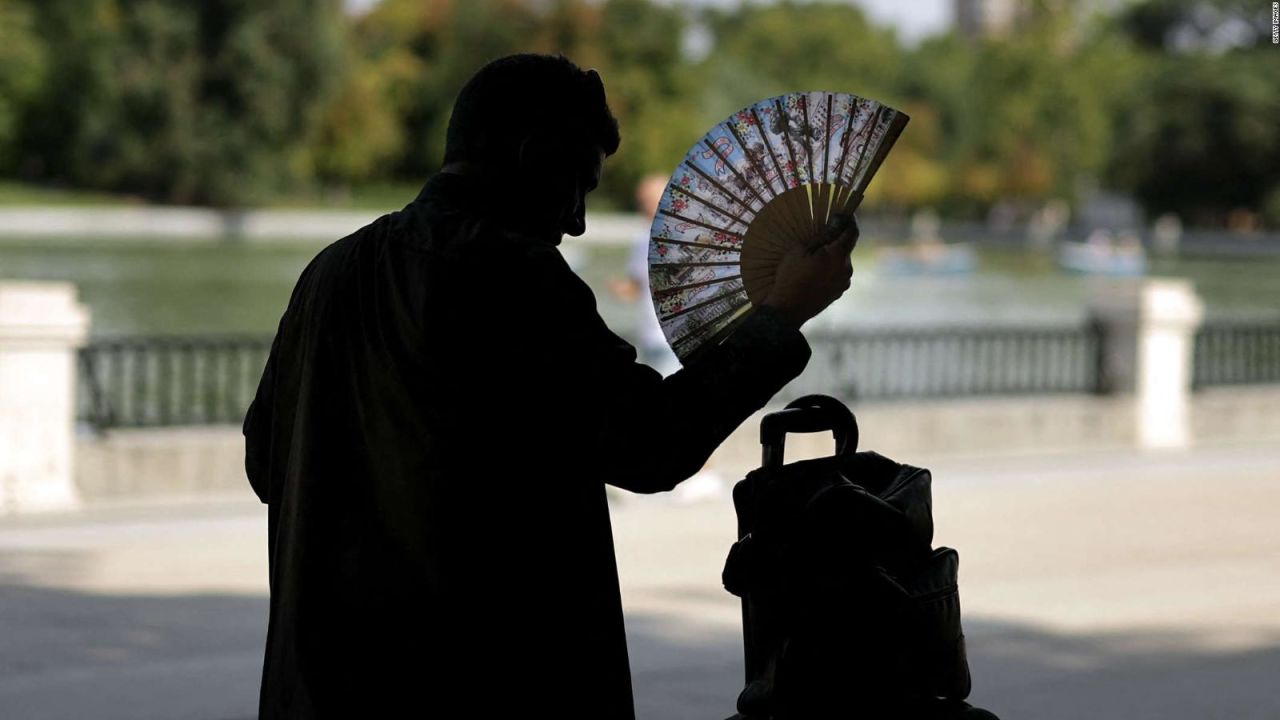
{"x": 809, "y": 278}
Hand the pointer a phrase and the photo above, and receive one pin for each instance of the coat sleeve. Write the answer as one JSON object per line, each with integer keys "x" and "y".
{"x": 257, "y": 429}
{"x": 276, "y": 388}
{"x": 650, "y": 433}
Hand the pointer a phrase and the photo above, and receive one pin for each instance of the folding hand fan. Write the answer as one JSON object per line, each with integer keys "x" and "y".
{"x": 764, "y": 180}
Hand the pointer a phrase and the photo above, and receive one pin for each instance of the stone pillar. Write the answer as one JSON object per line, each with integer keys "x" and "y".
{"x": 41, "y": 326}
{"x": 1148, "y": 335}
{"x": 1171, "y": 313}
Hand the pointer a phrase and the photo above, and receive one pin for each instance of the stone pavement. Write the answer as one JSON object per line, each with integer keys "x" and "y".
{"x": 1108, "y": 585}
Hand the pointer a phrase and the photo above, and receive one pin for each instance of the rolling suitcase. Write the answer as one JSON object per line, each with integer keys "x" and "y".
{"x": 847, "y": 610}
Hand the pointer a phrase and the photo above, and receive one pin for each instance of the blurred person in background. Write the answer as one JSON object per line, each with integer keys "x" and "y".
{"x": 634, "y": 287}
{"x": 653, "y": 348}
{"x": 441, "y": 409}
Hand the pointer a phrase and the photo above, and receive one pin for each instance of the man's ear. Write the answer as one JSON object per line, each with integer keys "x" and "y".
{"x": 533, "y": 152}
{"x": 546, "y": 155}
{"x": 525, "y": 152}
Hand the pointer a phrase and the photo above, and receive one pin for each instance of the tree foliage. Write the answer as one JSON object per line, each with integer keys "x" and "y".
{"x": 22, "y": 73}
{"x": 230, "y": 101}
{"x": 1200, "y": 134}
{"x": 212, "y": 102}
{"x": 1203, "y": 136}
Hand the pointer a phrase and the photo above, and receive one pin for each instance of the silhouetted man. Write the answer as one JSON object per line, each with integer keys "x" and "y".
{"x": 439, "y": 414}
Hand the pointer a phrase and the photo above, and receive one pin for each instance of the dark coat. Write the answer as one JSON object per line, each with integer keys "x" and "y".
{"x": 432, "y": 433}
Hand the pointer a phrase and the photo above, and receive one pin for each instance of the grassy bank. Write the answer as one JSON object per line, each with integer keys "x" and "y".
{"x": 383, "y": 196}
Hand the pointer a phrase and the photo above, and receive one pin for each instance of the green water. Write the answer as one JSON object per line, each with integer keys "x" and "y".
{"x": 167, "y": 287}
{"x": 200, "y": 287}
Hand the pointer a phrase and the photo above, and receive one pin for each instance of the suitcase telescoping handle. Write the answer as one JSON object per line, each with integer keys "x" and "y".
{"x": 811, "y": 413}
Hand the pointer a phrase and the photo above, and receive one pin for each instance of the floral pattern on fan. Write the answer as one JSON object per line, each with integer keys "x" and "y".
{"x": 766, "y": 178}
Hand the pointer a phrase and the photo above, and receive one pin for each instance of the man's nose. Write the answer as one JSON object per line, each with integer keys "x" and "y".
{"x": 576, "y": 223}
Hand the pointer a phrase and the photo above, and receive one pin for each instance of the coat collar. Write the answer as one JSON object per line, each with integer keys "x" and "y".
{"x": 455, "y": 193}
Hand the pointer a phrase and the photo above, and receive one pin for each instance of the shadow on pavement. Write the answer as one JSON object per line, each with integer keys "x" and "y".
{"x": 74, "y": 654}
{"x": 1019, "y": 671}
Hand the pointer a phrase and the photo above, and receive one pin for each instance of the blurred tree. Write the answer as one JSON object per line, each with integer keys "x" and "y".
{"x": 766, "y": 50}
{"x": 79, "y": 35}
{"x": 1200, "y": 135}
{"x": 268, "y": 70}
{"x": 651, "y": 88}
{"x": 22, "y": 71}
{"x": 1022, "y": 117}
{"x": 360, "y": 136}
{"x": 211, "y": 102}
{"x": 231, "y": 101}
{"x": 1181, "y": 25}
{"x": 425, "y": 51}
{"x": 915, "y": 176}
{"x": 790, "y": 46}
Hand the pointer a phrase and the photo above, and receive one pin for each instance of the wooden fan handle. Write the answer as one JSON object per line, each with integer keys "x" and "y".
{"x": 850, "y": 203}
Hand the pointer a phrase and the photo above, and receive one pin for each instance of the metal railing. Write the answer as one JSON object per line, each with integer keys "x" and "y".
{"x": 953, "y": 362}
{"x": 1237, "y": 352}
{"x": 158, "y": 381}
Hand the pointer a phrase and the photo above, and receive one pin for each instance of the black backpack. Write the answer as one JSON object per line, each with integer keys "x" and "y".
{"x": 847, "y": 610}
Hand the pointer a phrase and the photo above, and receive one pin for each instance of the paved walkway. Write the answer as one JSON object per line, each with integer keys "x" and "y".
{"x": 1119, "y": 585}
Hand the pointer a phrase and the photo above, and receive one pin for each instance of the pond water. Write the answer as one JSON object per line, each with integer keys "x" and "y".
{"x": 214, "y": 287}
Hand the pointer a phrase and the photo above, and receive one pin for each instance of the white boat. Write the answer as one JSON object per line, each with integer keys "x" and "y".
{"x": 934, "y": 258}
{"x": 1101, "y": 255}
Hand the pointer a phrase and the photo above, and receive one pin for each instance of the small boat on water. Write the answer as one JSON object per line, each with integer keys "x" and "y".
{"x": 928, "y": 258}
{"x": 1100, "y": 254}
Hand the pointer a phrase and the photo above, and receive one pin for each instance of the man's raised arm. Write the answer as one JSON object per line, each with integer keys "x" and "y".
{"x": 647, "y": 433}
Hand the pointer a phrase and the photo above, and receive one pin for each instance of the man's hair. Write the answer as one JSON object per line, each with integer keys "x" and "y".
{"x": 520, "y": 94}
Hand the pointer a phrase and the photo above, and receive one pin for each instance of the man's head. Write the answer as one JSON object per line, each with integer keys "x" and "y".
{"x": 538, "y": 128}
{"x": 649, "y": 194}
